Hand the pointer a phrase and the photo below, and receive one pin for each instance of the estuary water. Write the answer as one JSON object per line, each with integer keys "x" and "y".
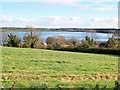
{"x": 68, "y": 35}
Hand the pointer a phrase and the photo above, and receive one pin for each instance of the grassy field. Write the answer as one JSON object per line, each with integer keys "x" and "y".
{"x": 28, "y": 67}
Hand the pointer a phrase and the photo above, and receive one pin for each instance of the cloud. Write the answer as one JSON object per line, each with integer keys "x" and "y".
{"x": 104, "y": 22}
{"x": 98, "y": 20}
{"x": 6, "y": 19}
{"x": 52, "y": 19}
{"x": 115, "y": 20}
{"x": 101, "y": 6}
{"x": 61, "y": 2}
{"x": 106, "y": 8}
{"x": 72, "y": 3}
{"x": 24, "y": 20}
{"x": 10, "y": 21}
{"x": 76, "y": 20}
{"x": 61, "y": 21}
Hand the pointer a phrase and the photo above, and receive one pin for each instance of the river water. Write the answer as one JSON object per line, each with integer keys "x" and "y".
{"x": 78, "y": 35}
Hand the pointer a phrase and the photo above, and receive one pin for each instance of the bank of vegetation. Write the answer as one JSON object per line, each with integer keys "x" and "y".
{"x": 87, "y": 45}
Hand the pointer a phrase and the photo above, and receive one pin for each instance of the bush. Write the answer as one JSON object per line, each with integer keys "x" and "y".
{"x": 92, "y": 50}
{"x": 55, "y": 42}
{"x": 13, "y": 41}
{"x": 72, "y": 42}
{"x": 87, "y": 43}
{"x": 84, "y": 44}
{"x": 51, "y": 40}
{"x": 112, "y": 43}
{"x": 117, "y": 85}
{"x": 31, "y": 41}
{"x": 50, "y": 46}
{"x": 41, "y": 46}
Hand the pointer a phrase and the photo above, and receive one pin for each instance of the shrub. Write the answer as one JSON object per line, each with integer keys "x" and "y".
{"x": 87, "y": 43}
{"x": 51, "y": 40}
{"x": 41, "y": 46}
{"x": 13, "y": 41}
{"x": 55, "y": 42}
{"x": 112, "y": 43}
{"x": 50, "y": 46}
{"x": 117, "y": 85}
{"x": 32, "y": 41}
{"x": 72, "y": 42}
{"x": 93, "y": 50}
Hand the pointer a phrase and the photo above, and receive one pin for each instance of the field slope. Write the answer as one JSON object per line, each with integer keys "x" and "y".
{"x": 26, "y": 67}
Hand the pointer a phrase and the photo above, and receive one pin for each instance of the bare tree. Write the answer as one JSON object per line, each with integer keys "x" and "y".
{"x": 73, "y": 42}
{"x": 32, "y": 38}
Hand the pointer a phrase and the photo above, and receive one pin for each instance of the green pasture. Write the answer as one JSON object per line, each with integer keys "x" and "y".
{"x": 25, "y": 67}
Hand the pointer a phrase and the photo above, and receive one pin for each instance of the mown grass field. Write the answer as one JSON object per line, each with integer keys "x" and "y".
{"x": 27, "y": 67}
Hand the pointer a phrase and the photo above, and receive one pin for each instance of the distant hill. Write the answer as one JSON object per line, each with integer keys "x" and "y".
{"x": 99, "y": 30}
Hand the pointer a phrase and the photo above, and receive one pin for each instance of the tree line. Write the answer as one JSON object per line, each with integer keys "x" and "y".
{"x": 33, "y": 40}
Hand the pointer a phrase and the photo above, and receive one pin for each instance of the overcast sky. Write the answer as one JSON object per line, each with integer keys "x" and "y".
{"x": 57, "y": 13}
